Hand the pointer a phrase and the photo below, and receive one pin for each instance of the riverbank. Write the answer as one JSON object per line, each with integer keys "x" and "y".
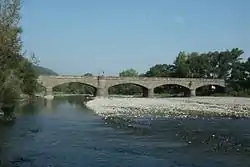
{"x": 164, "y": 107}
{"x": 23, "y": 100}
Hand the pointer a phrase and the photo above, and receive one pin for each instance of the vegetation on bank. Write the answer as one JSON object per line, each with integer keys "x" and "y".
{"x": 227, "y": 64}
{"x": 17, "y": 73}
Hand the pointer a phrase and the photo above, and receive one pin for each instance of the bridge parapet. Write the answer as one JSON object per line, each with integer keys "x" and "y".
{"x": 66, "y": 77}
{"x": 133, "y": 78}
{"x": 164, "y": 79}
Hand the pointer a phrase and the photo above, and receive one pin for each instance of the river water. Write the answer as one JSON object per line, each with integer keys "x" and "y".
{"x": 63, "y": 133}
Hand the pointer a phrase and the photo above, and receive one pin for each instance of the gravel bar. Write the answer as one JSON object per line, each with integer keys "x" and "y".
{"x": 164, "y": 107}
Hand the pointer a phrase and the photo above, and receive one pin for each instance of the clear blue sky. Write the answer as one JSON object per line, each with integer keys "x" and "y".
{"x": 79, "y": 36}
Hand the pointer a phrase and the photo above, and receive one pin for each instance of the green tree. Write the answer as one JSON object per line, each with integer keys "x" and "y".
{"x": 10, "y": 47}
{"x": 26, "y": 72}
{"x": 160, "y": 70}
{"x": 181, "y": 65}
{"x": 197, "y": 65}
{"x": 16, "y": 73}
{"x": 88, "y": 75}
{"x": 10, "y": 42}
{"x": 129, "y": 73}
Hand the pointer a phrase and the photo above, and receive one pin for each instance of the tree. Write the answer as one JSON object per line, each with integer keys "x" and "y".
{"x": 247, "y": 67}
{"x": 27, "y": 73}
{"x": 16, "y": 73}
{"x": 10, "y": 42}
{"x": 181, "y": 65}
{"x": 10, "y": 46}
{"x": 160, "y": 70}
{"x": 88, "y": 75}
{"x": 129, "y": 73}
{"x": 197, "y": 65}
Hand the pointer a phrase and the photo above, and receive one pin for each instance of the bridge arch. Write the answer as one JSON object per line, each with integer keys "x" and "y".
{"x": 52, "y": 81}
{"x": 127, "y": 88}
{"x": 171, "y": 89}
{"x": 80, "y": 82}
{"x": 74, "y": 87}
{"x": 123, "y": 82}
{"x": 210, "y": 89}
{"x": 185, "y": 85}
{"x": 210, "y": 84}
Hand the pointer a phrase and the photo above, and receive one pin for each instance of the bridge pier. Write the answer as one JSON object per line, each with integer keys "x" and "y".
{"x": 49, "y": 93}
{"x": 102, "y": 92}
{"x": 48, "y": 104}
{"x": 192, "y": 92}
{"x": 150, "y": 93}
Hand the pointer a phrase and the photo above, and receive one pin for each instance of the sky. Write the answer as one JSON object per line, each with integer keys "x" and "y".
{"x": 90, "y": 36}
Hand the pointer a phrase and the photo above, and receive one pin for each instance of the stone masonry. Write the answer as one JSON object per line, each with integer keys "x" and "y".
{"x": 102, "y": 84}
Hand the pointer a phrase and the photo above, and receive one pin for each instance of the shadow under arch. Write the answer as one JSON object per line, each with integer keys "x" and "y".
{"x": 171, "y": 90}
{"x": 131, "y": 89}
{"x": 74, "y": 88}
{"x": 210, "y": 90}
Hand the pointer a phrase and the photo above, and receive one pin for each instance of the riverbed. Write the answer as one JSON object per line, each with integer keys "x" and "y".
{"x": 165, "y": 107}
{"x": 64, "y": 133}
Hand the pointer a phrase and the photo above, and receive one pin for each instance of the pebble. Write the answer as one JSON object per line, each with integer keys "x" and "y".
{"x": 183, "y": 107}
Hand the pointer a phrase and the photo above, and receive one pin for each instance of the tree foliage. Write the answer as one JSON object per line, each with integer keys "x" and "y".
{"x": 88, "y": 75}
{"x": 16, "y": 73}
{"x": 129, "y": 73}
{"x": 160, "y": 70}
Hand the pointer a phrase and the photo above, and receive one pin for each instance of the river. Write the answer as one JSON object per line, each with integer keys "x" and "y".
{"x": 63, "y": 133}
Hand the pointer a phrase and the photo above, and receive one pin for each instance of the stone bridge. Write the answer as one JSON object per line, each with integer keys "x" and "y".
{"x": 103, "y": 83}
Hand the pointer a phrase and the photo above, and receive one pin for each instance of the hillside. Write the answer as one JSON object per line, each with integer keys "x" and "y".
{"x": 44, "y": 71}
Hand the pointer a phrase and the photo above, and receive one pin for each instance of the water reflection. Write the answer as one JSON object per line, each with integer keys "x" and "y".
{"x": 63, "y": 132}
{"x": 48, "y": 104}
{"x": 51, "y": 105}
